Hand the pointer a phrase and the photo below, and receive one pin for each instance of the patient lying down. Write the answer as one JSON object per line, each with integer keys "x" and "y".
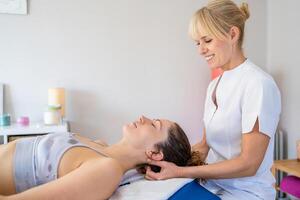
{"x": 69, "y": 166}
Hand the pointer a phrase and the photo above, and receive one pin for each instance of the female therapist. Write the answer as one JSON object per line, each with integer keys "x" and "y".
{"x": 241, "y": 114}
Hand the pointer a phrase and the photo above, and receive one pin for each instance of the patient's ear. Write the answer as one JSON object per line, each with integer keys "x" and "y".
{"x": 155, "y": 155}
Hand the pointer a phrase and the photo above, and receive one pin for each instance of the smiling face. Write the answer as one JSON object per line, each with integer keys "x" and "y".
{"x": 144, "y": 133}
{"x": 217, "y": 52}
{"x": 218, "y": 30}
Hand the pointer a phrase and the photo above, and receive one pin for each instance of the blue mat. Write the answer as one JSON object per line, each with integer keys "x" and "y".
{"x": 193, "y": 191}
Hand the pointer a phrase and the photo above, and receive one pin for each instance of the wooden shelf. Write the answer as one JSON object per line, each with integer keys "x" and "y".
{"x": 289, "y": 166}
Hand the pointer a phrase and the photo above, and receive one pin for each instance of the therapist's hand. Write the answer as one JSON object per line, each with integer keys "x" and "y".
{"x": 168, "y": 170}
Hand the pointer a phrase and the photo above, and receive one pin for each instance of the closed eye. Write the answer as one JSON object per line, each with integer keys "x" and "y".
{"x": 205, "y": 39}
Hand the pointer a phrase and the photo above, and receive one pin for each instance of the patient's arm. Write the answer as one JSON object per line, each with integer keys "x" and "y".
{"x": 95, "y": 179}
{"x": 202, "y": 147}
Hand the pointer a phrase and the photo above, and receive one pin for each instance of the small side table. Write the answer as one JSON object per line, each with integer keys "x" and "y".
{"x": 33, "y": 129}
{"x": 291, "y": 167}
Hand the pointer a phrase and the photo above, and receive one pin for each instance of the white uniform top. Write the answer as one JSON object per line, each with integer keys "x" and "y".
{"x": 244, "y": 94}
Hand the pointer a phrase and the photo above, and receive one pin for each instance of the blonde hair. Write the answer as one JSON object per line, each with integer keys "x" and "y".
{"x": 217, "y": 18}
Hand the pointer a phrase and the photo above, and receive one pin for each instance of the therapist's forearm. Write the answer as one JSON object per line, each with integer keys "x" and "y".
{"x": 233, "y": 168}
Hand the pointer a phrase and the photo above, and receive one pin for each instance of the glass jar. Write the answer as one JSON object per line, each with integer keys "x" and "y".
{"x": 52, "y": 115}
{"x": 5, "y": 120}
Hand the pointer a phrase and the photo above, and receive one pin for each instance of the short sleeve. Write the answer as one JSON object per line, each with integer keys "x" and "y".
{"x": 261, "y": 101}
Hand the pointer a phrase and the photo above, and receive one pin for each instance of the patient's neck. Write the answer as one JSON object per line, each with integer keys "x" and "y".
{"x": 127, "y": 156}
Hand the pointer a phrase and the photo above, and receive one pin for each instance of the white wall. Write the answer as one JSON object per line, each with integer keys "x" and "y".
{"x": 117, "y": 60}
{"x": 255, "y": 44}
{"x": 283, "y": 63}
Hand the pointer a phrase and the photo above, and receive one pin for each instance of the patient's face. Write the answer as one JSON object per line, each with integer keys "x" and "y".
{"x": 145, "y": 133}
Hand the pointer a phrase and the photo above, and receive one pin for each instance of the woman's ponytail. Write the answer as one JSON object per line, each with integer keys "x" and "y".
{"x": 195, "y": 159}
{"x": 245, "y": 10}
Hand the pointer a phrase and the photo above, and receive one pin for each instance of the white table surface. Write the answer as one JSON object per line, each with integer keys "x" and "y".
{"x": 32, "y": 129}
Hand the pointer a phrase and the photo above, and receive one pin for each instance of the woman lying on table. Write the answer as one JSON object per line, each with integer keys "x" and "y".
{"x": 69, "y": 166}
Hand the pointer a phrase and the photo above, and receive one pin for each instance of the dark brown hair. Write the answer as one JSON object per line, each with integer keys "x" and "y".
{"x": 177, "y": 149}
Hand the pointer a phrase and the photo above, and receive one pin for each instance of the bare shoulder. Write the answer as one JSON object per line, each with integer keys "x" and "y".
{"x": 106, "y": 169}
{"x": 104, "y": 164}
{"x": 101, "y": 142}
{"x": 110, "y": 165}
{"x": 106, "y": 173}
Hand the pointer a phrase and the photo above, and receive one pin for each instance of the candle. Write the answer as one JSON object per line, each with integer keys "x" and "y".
{"x": 56, "y": 96}
{"x": 52, "y": 115}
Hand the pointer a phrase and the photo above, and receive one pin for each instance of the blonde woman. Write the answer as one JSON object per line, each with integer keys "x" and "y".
{"x": 70, "y": 166}
{"x": 241, "y": 114}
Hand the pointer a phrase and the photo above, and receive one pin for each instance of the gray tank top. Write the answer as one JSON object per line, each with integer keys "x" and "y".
{"x": 36, "y": 159}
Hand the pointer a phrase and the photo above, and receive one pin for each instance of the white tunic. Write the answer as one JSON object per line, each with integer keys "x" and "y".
{"x": 244, "y": 94}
